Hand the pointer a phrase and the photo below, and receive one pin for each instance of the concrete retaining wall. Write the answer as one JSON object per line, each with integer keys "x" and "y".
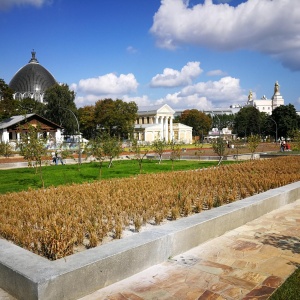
{"x": 28, "y": 276}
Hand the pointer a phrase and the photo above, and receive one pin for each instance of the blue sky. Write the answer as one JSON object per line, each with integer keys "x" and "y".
{"x": 189, "y": 54}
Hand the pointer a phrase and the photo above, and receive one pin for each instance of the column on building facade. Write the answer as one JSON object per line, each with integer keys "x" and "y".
{"x": 171, "y": 128}
{"x": 5, "y": 136}
{"x": 155, "y": 119}
{"x": 166, "y": 127}
{"x": 161, "y": 122}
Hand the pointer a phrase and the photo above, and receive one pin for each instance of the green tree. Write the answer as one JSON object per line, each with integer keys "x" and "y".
{"x": 8, "y": 105}
{"x": 295, "y": 136}
{"x": 116, "y": 117}
{"x": 248, "y": 121}
{"x": 175, "y": 152}
{"x": 268, "y": 126}
{"x": 286, "y": 118}
{"x": 223, "y": 121}
{"x": 32, "y": 146}
{"x": 139, "y": 154}
{"x": 6, "y": 149}
{"x": 200, "y": 122}
{"x": 158, "y": 147}
{"x": 111, "y": 148}
{"x": 59, "y": 102}
{"x": 219, "y": 147}
{"x": 199, "y": 148}
{"x": 95, "y": 149}
{"x": 86, "y": 116}
{"x": 28, "y": 105}
{"x": 253, "y": 142}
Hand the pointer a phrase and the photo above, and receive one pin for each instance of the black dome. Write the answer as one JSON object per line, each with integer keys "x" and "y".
{"x": 32, "y": 79}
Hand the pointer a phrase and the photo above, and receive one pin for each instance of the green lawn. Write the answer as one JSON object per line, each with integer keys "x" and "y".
{"x": 290, "y": 290}
{"x": 15, "y": 180}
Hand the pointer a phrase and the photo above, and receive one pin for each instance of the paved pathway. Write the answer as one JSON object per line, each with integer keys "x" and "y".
{"x": 249, "y": 262}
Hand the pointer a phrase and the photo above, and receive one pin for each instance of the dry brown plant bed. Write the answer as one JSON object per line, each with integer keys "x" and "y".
{"x": 57, "y": 222}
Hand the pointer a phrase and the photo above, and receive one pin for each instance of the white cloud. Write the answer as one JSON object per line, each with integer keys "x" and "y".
{"x": 225, "y": 90}
{"x": 216, "y": 73}
{"x": 108, "y": 84}
{"x": 140, "y": 101}
{"x": 7, "y": 4}
{"x": 90, "y": 90}
{"x": 266, "y": 26}
{"x": 207, "y": 95}
{"x": 201, "y": 95}
{"x": 131, "y": 50}
{"x": 192, "y": 101}
{"x": 174, "y": 78}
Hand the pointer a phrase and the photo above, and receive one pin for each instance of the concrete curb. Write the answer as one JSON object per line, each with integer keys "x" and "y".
{"x": 28, "y": 276}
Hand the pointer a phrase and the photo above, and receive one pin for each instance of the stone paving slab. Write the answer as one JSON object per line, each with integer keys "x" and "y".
{"x": 250, "y": 262}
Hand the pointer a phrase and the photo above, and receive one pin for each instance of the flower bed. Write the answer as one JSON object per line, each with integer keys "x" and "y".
{"x": 53, "y": 222}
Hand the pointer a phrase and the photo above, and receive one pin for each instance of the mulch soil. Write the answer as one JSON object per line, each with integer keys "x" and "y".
{"x": 264, "y": 147}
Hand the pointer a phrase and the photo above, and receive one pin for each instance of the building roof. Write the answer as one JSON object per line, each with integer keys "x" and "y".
{"x": 154, "y": 109}
{"x": 21, "y": 118}
{"x": 13, "y": 120}
{"x": 32, "y": 78}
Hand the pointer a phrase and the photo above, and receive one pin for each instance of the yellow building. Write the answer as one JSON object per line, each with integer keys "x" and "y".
{"x": 156, "y": 122}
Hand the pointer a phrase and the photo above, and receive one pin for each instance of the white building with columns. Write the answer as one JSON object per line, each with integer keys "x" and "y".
{"x": 156, "y": 122}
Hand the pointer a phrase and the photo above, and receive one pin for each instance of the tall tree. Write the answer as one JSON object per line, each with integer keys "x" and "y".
{"x": 248, "y": 121}
{"x": 286, "y": 118}
{"x": 87, "y": 121}
{"x": 200, "y": 122}
{"x": 223, "y": 121}
{"x": 28, "y": 105}
{"x": 61, "y": 108}
{"x": 8, "y": 106}
{"x": 116, "y": 117}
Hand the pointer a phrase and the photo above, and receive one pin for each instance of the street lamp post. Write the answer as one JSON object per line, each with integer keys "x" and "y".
{"x": 275, "y": 129}
{"x": 78, "y": 131}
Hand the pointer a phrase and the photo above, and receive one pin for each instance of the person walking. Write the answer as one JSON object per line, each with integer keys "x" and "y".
{"x": 59, "y": 157}
{"x": 53, "y": 158}
{"x": 282, "y": 146}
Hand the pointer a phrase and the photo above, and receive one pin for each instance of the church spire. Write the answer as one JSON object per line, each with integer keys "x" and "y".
{"x": 33, "y": 59}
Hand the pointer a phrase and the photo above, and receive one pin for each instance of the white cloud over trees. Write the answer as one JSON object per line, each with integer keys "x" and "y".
{"x": 256, "y": 25}
{"x": 107, "y": 86}
{"x": 175, "y": 78}
{"x": 201, "y": 95}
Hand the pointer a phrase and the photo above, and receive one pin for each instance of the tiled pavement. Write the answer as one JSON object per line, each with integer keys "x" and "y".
{"x": 249, "y": 262}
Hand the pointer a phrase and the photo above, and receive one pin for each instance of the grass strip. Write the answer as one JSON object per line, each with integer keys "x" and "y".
{"x": 22, "y": 179}
{"x": 290, "y": 289}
